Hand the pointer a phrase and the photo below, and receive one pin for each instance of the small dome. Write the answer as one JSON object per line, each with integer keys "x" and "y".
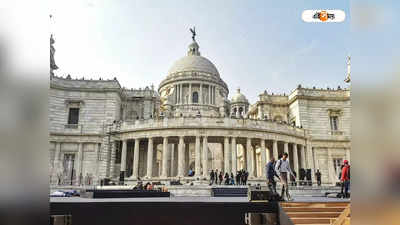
{"x": 239, "y": 97}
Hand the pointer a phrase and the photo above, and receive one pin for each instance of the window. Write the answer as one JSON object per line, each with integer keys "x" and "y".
{"x": 73, "y": 116}
{"x": 334, "y": 122}
{"x": 337, "y": 163}
{"x": 195, "y": 97}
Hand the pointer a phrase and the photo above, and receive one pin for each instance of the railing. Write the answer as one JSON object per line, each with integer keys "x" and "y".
{"x": 210, "y": 122}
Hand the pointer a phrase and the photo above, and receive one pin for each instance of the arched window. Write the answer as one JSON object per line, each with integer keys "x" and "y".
{"x": 240, "y": 111}
{"x": 195, "y": 97}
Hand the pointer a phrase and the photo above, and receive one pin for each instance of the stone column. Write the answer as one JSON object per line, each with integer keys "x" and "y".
{"x": 254, "y": 161}
{"x": 57, "y": 157}
{"x": 209, "y": 94}
{"x": 260, "y": 113}
{"x": 111, "y": 160}
{"x": 79, "y": 169}
{"x": 234, "y": 156}
{"x": 205, "y": 157}
{"x": 296, "y": 160}
{"x": 311, "y": 161}
{"x": 123, "y": 161}
{"x": 275, "y": 149}
{"x": 237, "y": 112}
{"x": 164, "y": 171}
{"x": 244, "y": 157}
{"x": 172, "y": 159}
{"x": 181, "y": 157}
{"x": 301, "y": 159}
{"x": 212, "y": 95}
{"x": 197, "y": 157}
{"x": 190, "y": 93}
{"x": 263, "y": 158}
{"x": 250, "y": 157}
{"x": 201, "y": 94}
{"x": 286, "y": 148}
{"x": 150, "y": 151}
{"x": 347, "y": 152}
{"x": 181, "y": 93}
{"x": 135, "y": 173}
{"x": 178, "y": 94}
{"x": 226, "y": 155}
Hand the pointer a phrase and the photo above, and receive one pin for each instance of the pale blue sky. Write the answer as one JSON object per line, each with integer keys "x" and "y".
{"x": 257, "y": 45}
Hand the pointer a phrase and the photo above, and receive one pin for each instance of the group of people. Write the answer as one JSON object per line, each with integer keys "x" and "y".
{"x": 220, "y": 178}
{"x": 281, "y": 169}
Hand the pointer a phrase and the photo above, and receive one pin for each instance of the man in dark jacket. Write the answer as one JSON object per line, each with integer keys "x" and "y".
{"x": 271, "y": 174}
{"x": 318, "y": 176}
{"x": 212, "y": 177}
{"x": 238, "y": 178}
{"x": 216, "y": 176}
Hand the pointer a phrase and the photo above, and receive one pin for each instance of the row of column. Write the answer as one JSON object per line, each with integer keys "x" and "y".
{"x": 179, "y": 97}
{"x": 230, "y": 155}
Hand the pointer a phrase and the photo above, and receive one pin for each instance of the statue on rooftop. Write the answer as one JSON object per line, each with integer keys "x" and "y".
{"x": 193, "y": 33}
{"x": 348, "y": 80}
{"x": 53, "y": 65}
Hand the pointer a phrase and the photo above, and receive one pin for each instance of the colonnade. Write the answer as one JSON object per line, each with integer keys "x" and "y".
{"x": 300, "y": 155}
{"x": 206, "y": 93}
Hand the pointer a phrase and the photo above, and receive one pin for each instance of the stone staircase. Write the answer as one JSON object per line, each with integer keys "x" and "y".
{"x": 315, "y": 212}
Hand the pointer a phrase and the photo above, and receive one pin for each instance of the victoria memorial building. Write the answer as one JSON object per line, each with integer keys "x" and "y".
{"x": 191, "y": 121}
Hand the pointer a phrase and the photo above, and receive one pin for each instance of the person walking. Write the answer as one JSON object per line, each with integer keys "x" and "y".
{"x": 271, "y": 174}
{"x": 318, "y": 176}
{"x": 232, "y": 179}
{"x": 212, "y": 177}
{"x": 345, "y": 178}
{"x": 282, "y": 168}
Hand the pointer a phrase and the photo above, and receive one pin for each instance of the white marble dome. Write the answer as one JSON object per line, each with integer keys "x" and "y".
{"x": 239, "y": 97}
{"x": 193, "y": 63}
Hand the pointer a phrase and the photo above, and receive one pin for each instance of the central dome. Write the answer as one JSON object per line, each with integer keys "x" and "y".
{"x": 193, "y": 63}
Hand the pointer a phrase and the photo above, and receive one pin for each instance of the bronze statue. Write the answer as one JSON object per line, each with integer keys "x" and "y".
{"x": 193, "y": 33}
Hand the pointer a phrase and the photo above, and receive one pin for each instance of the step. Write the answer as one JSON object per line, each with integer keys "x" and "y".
{"x": 315, "y": 204}
{"x": 311, "y": 220}
{"x": 313, "y": 214}
{"x": 313, "y": 209}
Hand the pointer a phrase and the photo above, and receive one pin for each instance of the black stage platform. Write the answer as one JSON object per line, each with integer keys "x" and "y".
{"x": 98, "y": 193}
{"x": 166, "y": 211}
{"x": 228, "y": 192}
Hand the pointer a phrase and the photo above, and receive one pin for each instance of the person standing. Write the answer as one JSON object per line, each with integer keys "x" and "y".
{"x": 271, "y": 174}
{"x": 232, "y": 179}
{"x": 245, "y": 176}
{"x": 212, "y": 177}
{"x": 345, "y": 178}
{"x": 238, "y": 177}
{"x": 226, "y": 178}
{"x": 216, "y": 176}
{"x": 282, "y": 168}
{"x": 318, "y": 176}
{"x": 221, "y": 177}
